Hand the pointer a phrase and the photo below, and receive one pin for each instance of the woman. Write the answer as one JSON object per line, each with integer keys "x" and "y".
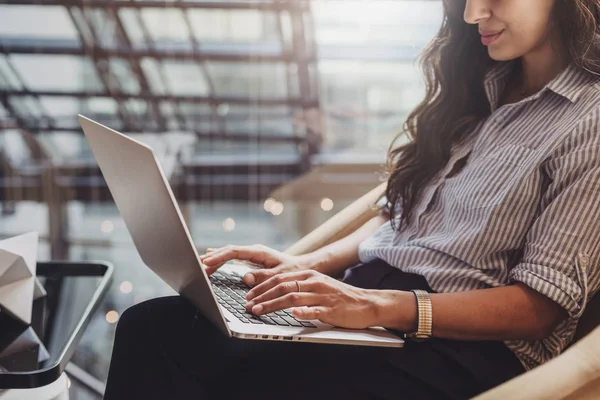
{"x": 492, "y": 208}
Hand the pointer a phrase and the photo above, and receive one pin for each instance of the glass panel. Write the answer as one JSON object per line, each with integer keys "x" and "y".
{"x": 224, "y": 151}
{"x": 199, "y": 117}
{"x": 101, "y": 105}
{"x": 140, "y": 113}
{"x": 64, "y": 110}
{"x": 389, "y": 22}
{"x": 167, "y": 28}
{"x": 256, "y": 120}
{"x": 366, "y": 103}
{"x": 167, "y": 109}
{"x": 60, "y": 73}
{"x": 151, "y": 69}
{"x": 66, "y": 146}
{"x": 8, "y": 80}
{"x": 104, "y": 27}
{"x": 130, "y": 19}
{"x": 80, "y": 21}
{"x": 234, "y": 25}
{"x": 286, "y": 28}
{"x": 185, "y": 78}
{"x": 248, "y": 79}
{"x": 137, "y": 106}
{"x": 127, "y": 82}
{"x": 14, "y": 147}
{"x": 31, "y": 22}
{"x": 103, "y": 110}
{"x": 25, "y": 106}
{"x": 27, "y": 216}
{"x": 3, "y": 112}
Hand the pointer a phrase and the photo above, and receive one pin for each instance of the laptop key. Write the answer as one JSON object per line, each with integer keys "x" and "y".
{"x": 292, "y": 321}
{"x": 279, "y": 321}
{"x": 267, "y": 320}
{"x": 307, "y": 324}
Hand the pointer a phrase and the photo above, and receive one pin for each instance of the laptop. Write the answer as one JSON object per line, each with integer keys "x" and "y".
{"x": 154, "y": 221}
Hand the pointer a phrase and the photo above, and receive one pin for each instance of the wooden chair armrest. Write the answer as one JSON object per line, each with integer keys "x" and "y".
{"x": 575, "y": 371}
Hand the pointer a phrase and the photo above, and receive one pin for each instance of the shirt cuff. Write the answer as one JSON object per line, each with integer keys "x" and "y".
{"x": 553, "y": 284}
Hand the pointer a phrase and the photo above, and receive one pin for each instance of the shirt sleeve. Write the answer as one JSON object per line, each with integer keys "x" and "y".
{"x": 561, "y": 251}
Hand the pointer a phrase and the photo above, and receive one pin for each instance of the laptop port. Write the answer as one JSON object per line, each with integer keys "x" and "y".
{"x": 275, "y": 337}
{"x": 288, "y": 338}
{"x": 265, "y": 336}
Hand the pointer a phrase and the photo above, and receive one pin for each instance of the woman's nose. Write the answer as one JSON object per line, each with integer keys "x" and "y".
{"x": 476, "y": 11}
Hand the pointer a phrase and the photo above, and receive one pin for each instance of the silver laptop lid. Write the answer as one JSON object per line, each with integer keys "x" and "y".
{"x": 151, "y": 214}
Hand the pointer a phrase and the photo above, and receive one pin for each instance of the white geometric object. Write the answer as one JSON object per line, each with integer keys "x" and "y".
{"x": 18, "y": 257}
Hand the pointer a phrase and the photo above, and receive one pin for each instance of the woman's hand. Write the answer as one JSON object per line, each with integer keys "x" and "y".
{"x": 320, "y": 297}
{"x": 273, "y": 262}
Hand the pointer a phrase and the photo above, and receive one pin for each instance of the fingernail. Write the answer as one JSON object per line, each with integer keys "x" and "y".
{"x": 249, "y": 278}
{"x": 257, "y": 308}
{"x": 249, "y": 296}
{"x": 250, "y": 305}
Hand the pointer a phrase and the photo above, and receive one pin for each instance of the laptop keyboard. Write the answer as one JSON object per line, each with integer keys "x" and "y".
{"x": 231, "y": 294}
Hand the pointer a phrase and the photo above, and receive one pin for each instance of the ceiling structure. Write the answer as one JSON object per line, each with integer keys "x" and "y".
{"x": 243, "y": 93}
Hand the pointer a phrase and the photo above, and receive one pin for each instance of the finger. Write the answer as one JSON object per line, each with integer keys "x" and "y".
{"x": 278, "y": 279}
{"x": 259, "y": 276}
{"x": 308, "y": 313}
{"x": 212, "y": 269}
{"x": 281, "y": 290}
{"x": 207, "y": 253}
{"x": 248, "y": 253}
{"x": 287, "y": 301}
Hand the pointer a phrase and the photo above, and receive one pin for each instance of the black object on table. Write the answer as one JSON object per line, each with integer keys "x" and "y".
{"x": 74, "y": 291}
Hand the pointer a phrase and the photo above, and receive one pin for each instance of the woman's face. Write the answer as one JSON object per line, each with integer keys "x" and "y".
{"x": 511, "y": 28}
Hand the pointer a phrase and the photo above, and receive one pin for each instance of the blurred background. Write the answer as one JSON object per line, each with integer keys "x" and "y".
{"x": 268, "y": 116}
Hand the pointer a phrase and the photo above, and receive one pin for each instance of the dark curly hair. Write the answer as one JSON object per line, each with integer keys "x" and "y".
{"x": 454, "y": 65}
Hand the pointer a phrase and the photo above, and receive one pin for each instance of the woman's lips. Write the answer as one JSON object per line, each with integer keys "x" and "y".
{"x": 488, "y": 39}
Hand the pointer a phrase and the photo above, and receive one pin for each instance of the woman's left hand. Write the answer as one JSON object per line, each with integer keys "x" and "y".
{"x": 320, "y": 297}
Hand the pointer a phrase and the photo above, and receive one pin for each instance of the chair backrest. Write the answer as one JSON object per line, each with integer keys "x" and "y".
{"x": 590, "y": 318}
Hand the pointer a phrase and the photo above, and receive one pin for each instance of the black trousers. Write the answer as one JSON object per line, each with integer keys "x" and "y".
{"x": 164, "y": 349}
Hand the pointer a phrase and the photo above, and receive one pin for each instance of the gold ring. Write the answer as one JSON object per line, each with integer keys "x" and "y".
{"x": 298, "y": 284}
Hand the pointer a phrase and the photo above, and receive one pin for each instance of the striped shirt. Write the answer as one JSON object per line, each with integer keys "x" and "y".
{"x": 524, "y": 208}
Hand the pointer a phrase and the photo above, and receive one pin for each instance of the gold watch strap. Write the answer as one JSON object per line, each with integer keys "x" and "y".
{"x": 424, "y": 316}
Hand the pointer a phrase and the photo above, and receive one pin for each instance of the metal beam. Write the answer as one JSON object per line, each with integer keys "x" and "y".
{"x": 181, "y": 55}
{"x": 213, "y": 136}
{"x": 292, "y": 102}
{"x": 137, "y": 70}
{"x": 190, "y": 4}
{"x": 307, "y": 82}
{"x": 98, "y": 62}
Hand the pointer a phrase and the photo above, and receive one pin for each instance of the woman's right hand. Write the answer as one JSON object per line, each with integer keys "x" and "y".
{"x": 273, "y": 262}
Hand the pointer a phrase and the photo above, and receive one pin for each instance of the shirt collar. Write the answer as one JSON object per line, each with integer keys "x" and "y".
{"x": 569, "y": 83}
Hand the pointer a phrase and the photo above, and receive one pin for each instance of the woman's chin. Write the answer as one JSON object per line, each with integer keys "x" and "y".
{"x": 499, "y": 54}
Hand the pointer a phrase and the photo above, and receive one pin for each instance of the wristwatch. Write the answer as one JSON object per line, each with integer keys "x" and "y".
{"x": 425, "y": 314}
